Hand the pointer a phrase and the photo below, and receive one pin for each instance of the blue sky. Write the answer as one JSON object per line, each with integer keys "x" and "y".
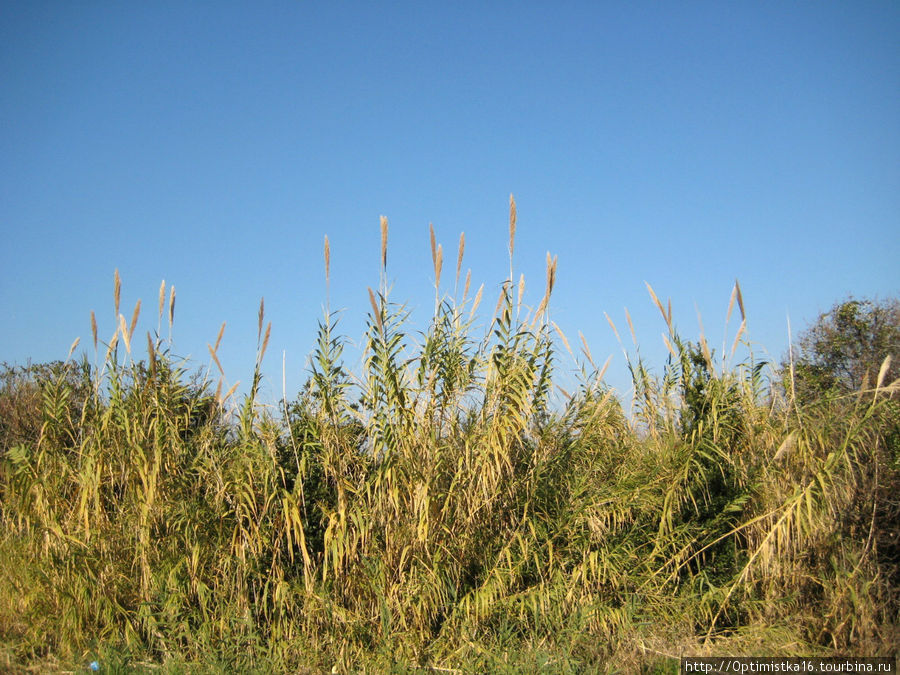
{"x": 213, "y": 145}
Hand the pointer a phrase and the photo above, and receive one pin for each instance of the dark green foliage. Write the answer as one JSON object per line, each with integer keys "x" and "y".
{"x": 845, "y": 348}
{"x": 44, "y": 395}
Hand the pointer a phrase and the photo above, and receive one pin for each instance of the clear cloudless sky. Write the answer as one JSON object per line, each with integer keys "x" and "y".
{"x": 215, "y": 144}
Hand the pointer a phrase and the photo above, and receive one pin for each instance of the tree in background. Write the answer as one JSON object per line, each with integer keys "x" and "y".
{"x": 840, "y": 354}
{"x": 844, "y": 350}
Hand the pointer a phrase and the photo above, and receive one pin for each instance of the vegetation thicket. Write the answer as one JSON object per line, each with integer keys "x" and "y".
{"x": 444, "y": 510}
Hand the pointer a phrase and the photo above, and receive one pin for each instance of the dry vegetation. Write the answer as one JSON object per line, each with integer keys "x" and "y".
{"x": 441, "y": 512}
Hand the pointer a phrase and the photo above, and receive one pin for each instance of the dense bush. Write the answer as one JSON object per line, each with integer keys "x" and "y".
{"x": 845, "y": 349}
{"x": 447, "y": 512}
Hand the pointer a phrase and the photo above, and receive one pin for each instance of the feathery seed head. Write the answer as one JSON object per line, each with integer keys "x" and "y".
{"x": 94, "y": 328}
{"x": 171, "y": 306}
{"x": 73, "y": 347}
{"x": 215, "y": 358}
{"x": 459, "y": 257}
{"x": 112, "y": 344}
{"x": 740, "y": 299}
{"x": 123, "y": 329}
{"x": 219, "y": 336}
{"x": 630, "y": 326}
{"x": 562, "y": 337}
{"x": 375, "y": 311}
{"x": 134, "y": 319}
{"x": 438, "y": 265}
{"x": 262, "y": 351}
{"x": 731, "y": 304}
{"x": 477, "y": 301}
{"x": 384, "y": 236}
{"x": 433, "y": 245}
{"x": 613, "y": 326}
{"x": 883, "y": 371}
{"x": 230, "y": 391}
{"x": 259, "y": 319}
{"x": 551, "y": 272}
{"x": 737, "y": 338}
{"x": 117, "y": 289}
{"x": 151, "y": 353}
{"x": 512, "y": 232}
{"x": 587, "y": 350}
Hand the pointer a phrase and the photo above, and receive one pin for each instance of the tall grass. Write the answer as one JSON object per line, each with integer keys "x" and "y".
{"x": 443, "y": 508}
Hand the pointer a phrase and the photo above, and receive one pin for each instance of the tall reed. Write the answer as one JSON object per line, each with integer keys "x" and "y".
{"x": 447, "y": 508}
